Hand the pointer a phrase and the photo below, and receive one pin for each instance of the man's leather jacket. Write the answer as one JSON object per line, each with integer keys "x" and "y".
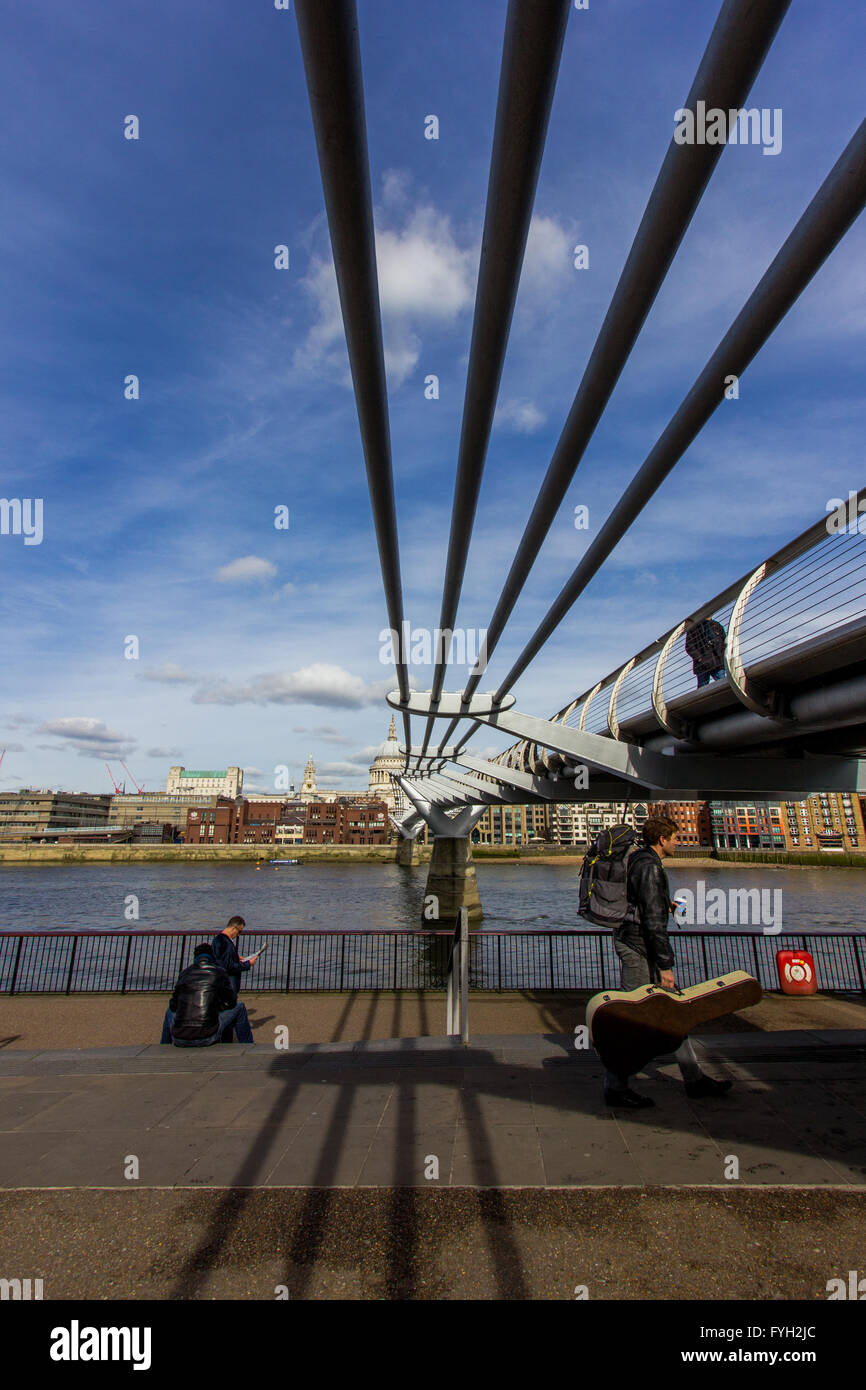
{"x": 202, "y": 991}
{"x": 645, "y": 928}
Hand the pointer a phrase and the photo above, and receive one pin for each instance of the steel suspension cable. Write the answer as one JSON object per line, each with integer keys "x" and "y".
{"x": 332, "y": 64}
{"x": 531, "y": 51}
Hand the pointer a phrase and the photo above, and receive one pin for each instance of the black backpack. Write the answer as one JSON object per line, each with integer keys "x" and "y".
{"x": 603, "y": 897}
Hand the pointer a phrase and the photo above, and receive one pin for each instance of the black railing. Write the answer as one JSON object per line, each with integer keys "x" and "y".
{"x": 134, "y": 962}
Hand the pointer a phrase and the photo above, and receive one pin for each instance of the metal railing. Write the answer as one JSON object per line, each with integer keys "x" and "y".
{"x": 125, "y": 962}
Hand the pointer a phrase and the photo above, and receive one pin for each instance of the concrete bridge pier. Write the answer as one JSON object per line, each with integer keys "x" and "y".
{"x": 408, "y": 854}
{"x": 452, "y": 882}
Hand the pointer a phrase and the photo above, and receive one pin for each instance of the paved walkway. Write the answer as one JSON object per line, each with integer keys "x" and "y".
{"x": 120, "y": 1020}
{"x": 510, "y": 1111}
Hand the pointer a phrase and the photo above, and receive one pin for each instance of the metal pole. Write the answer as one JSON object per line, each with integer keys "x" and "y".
{"x": 464, "y": 975}
{"x": 332, "y": 63}
{"x": 15, "y": 966}
{"x": 71, "y": 964}
{"x": 126, "y": 965}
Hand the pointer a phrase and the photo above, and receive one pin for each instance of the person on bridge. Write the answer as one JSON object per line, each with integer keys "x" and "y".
{"x": 203, "y": 1008}
{"x": 646, "y": 956}
{"x": 705, "y": 644}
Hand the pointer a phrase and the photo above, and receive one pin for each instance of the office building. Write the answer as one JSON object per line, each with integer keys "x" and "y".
{"x": 227, "y": 781}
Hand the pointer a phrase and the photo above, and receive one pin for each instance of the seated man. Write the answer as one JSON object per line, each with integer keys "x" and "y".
{"x": 202, "y": 1007}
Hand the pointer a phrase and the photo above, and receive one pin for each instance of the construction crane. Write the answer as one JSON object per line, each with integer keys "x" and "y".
{"x": 113, "y": 783}
{"x": 139, "y": 789}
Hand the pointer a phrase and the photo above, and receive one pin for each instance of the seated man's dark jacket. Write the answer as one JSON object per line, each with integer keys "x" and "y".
{"x": 202, "y": 992}
{"x": 645, "y": 928}
{"x": 226, "y": 954}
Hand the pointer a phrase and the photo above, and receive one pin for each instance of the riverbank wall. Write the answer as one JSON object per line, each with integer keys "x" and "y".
{"x": 387, "y": 854}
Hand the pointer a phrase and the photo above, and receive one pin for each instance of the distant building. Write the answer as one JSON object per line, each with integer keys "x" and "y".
{"x": 747, "y": 825}
{"x": 131, "y": 809}
{"x": 348, "y": 821}
{"x": 234, "y": 822}
{"x": 831, "y": 821}
{"x": 388, "y": 759}
{"x": 691, "y": 818}
{"x": 309, "y": 790}
{"x": 578, "y": 822}
{"x": 29, "y": 813}
{"x": 511, "y": 825}
{"x": 290, "y": 829}
{"x": 228, "y": 781}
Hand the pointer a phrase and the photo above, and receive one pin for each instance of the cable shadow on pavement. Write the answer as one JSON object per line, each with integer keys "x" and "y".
{"x": 403, "y": 1224}
{"x": 383, "y": 1120}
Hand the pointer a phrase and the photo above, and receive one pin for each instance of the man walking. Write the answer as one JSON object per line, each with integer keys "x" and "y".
{"x": 705, "y": 644}
{"x": 203, "y": 1008}
{"x": 644, "y": 949}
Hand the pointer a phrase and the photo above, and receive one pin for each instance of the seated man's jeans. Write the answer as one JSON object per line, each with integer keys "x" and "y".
{"x": 704, "y": 677}
{"x": 229, "y": 1019}
{"x": 636, "y": 971}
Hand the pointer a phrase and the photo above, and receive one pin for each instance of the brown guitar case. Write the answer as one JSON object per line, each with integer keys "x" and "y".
{"x": 630, "y": 1027}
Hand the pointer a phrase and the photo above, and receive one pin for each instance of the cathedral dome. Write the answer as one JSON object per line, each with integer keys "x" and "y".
{"x": 390, "y": 748}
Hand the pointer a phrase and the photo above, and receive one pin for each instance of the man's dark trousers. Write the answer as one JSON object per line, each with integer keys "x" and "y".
{"x": 229, "y": 1019}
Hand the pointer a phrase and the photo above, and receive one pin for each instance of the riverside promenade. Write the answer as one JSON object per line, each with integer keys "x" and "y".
{"x": 415, "y": 1167}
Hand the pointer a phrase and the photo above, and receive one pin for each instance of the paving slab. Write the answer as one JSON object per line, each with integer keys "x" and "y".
{"x": 503, "y": 1112}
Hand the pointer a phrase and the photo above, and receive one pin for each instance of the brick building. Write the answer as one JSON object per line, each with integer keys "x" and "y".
{"x": 346, "y": 822}
{"x": 234, "y": 822}
{"x": 831, "y": 821}
{"x": 691, "y": 818}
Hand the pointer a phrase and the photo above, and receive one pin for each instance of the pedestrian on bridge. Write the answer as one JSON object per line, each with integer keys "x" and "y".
{"x": 705, "y": 644}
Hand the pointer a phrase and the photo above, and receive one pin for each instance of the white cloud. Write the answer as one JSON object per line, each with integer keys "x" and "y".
{"x": 521, "y": 415}
{"x": 329, "y": 771}
{"x": 169, "y": 673}
{"x": 422, "y": 270}
{"x": 319, "y": 684}
{"x": 92, "y": 738}
{"x": 548, "y": 256}
{"x": 165, "y": 752}
{"x": 247, "y": 570}
{"x": 424, "y": 275}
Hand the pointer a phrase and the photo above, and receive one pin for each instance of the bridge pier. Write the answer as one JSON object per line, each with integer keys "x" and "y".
{"x": 408, "y": 853}
{"x": 451, "y": 880}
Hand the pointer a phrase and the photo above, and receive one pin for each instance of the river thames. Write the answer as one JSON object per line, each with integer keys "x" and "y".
{"x": 380, "y": 897}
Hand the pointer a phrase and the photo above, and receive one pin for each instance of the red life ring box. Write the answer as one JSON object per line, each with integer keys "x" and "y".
{"x": 796, "y": 972}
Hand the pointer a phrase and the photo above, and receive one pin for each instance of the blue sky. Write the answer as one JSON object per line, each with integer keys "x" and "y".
{"x": 156, "y": 257}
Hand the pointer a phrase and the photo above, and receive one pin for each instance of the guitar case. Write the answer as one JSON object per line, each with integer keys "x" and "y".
{"x": 630, "y": 1027}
